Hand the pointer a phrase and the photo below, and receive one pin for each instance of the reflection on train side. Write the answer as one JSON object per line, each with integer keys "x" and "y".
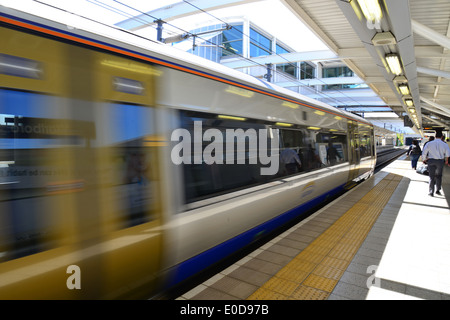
{"x": 312, "y": 149}
{"x": 46, "y": 162}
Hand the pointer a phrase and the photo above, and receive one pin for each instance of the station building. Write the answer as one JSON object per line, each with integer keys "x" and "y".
{"x": 330, "y": 81}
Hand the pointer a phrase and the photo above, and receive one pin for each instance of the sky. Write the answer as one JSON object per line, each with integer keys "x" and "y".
{"x": 270, "y": 15}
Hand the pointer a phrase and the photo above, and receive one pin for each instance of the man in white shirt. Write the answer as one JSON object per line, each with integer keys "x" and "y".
{"x": 435, "y": 153}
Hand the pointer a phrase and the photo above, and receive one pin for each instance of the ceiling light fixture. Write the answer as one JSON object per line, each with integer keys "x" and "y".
{"x": 409, "y": 102}
{"x": 404, "y": 89}
{"x": 371, "y": 9}
{"x": 394, "y": 64}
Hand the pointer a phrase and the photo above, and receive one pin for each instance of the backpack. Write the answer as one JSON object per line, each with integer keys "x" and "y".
{"x": 416, "y": 150}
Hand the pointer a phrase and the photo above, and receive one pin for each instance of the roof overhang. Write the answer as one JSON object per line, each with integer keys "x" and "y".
{"x": 420, "y": 31}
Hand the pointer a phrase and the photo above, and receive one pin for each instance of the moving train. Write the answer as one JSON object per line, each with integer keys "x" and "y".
{"x": 128, "y": 167}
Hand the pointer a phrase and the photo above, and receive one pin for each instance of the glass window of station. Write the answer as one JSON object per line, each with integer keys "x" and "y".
{"x": 207, "y": 45}
{"x": 222, "y": 44}
{"x": 307, "y": 71}
{"x": 289, "y": 68}
{"x": 232, "y": 41}
{"x": 260, "y": 45}
{"x": 336, "y": 72}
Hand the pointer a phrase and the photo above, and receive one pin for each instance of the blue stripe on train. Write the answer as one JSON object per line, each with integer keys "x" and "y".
{"x": 206, "y": 259}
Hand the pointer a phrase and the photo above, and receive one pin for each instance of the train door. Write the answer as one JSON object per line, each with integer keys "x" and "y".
{"x": 129, "y": 153}
{"x": 354, "y": 152}
{"x": 365, "y": 150}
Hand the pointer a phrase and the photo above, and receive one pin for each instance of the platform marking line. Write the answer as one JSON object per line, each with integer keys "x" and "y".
{"x": 314, "y": 272}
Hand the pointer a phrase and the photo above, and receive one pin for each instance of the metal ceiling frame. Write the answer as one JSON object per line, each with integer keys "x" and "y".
{"x": 403, "y": 46}
{"x": 422, "y": 33}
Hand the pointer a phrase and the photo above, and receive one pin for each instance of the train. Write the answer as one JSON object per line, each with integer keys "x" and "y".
{"x": 128, "y": 167}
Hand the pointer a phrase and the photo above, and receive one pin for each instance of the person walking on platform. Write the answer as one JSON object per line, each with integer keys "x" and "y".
{"x": 414, "y": 153}
{"x": 435, "y": 154}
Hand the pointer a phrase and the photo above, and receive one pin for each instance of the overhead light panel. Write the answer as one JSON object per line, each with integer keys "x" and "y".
{"x": 371, "y": 9}
{"x": 240, "y": 91}
{"x": 290, "y": 105}
{"x": 222, "y": 116}
{"x": 394, "y": 64}
{"x": 283, "y": 124}
{"x": 404, "y": 89}
{"x": 320, "y": 113}
{"x": 409, "y": 102}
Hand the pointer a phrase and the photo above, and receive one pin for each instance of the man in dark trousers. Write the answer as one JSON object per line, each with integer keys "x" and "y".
{"x": 436, "y": 153}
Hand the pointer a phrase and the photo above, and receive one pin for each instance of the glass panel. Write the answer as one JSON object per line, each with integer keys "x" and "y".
{"x": 289, "y": 68}
{"x": 20, "y": 67}
{"x": 235, "y": 33}
{"x": 232, "y": 41}
{"x": 259, "y": 44}
{"x": 337, "y": 72}
{"x": 240, "y": 166}
{"x": 329, "y": 73}
{"x": 281, "y": 50}
{"x": 307, "y": 71}
{"x": 260, "y": 40}
{"x": 332, "y": 148}
{"x": 256, "y": 51}
{"x": 301, "y": 150}
{"x": 292, "y": 143}
{"x": 232, "y": 48}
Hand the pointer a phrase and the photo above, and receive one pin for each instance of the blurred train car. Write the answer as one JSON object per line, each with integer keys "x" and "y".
{"x": 93, "y": 204}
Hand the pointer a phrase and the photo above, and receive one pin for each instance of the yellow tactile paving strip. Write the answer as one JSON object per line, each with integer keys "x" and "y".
{"x": 313, "y": 274}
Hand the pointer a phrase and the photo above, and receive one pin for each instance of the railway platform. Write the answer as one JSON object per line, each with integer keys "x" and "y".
{"x": 386, "y": 239}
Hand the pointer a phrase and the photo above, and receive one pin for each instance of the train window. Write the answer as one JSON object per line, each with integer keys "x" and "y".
{"x": 314, "y": 150}
{"x": 332, "y": 148}
{"x": 364, "y": 146}
{"x": 234, "y": 169}
{"x": 129, "y": 165}
{"x": 33, "y": 140}
{"x": 232, "y": 41}
{"x": 298, "y": 150}
{"x": 128, "y": 86}
{"x": 20, "y": 67}
{"x": 365, "y": 141}
{"x": 290, "y": 152}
